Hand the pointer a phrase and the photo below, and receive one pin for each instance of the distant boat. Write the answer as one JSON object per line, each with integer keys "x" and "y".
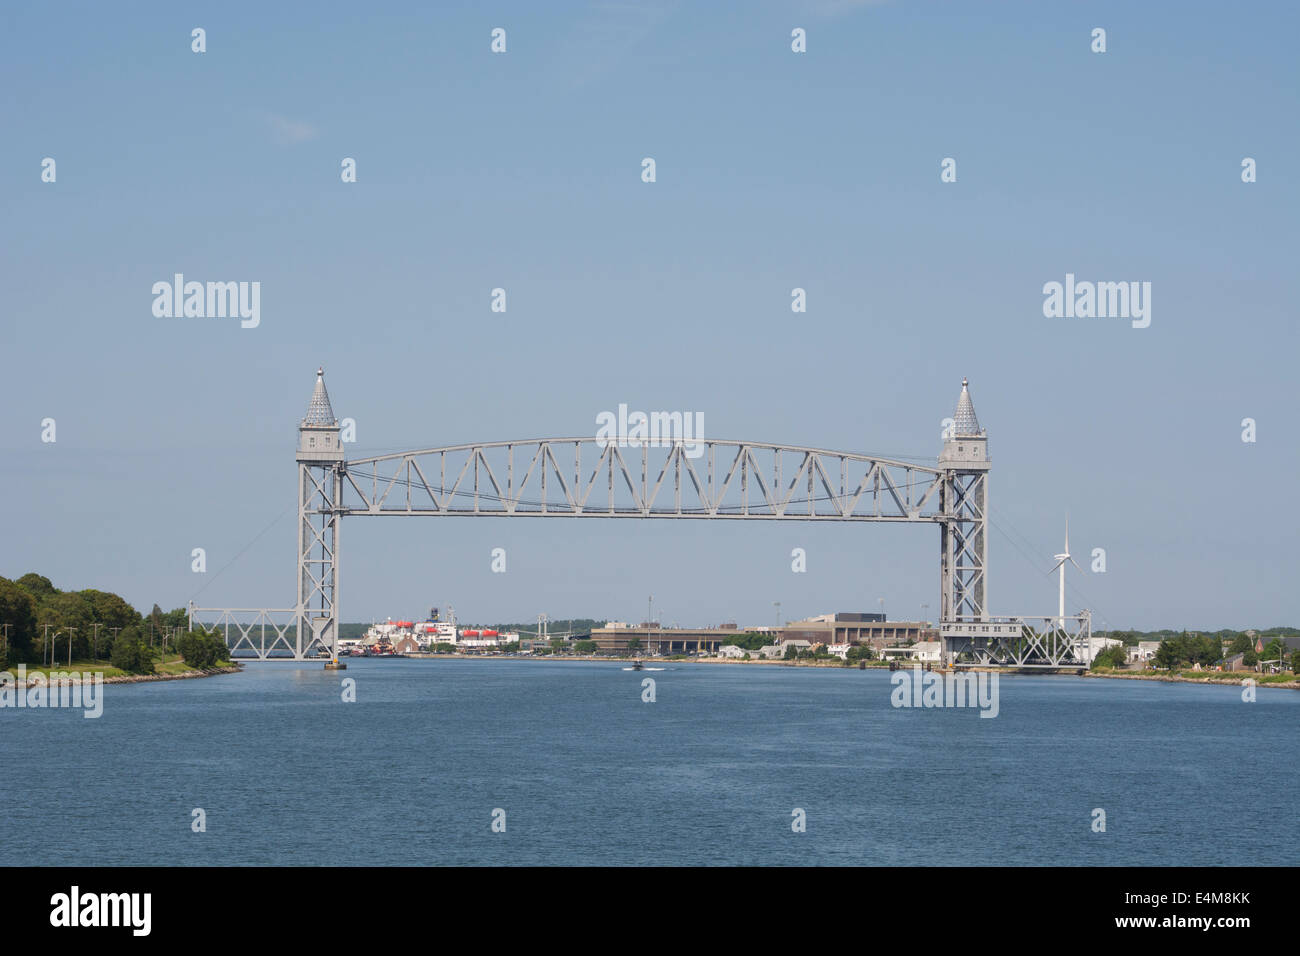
{"x": 637, "y": 665}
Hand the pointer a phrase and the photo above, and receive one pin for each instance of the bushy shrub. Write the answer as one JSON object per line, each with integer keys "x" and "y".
{"x": 200, "y": 649}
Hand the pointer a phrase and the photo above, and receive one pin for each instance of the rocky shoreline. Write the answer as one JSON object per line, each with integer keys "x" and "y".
{"x": 1180, "y": 679}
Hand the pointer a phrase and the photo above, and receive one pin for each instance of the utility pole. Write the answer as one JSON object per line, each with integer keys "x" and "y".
{"x": 6, "y": 650}
{"x": 48, "y": 645}
{"x": 94, "y": 653}
{"x": 70, "y": 630}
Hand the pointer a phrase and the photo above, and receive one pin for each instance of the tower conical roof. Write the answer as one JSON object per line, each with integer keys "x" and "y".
{"x": 965, "y": 422}
{"x": 318, "y": 411}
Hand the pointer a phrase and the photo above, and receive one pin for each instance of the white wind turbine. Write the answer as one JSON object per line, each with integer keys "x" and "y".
{"x": 1060, "y": 565}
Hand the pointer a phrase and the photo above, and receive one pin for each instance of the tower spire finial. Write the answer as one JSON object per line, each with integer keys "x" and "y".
{"x": 319, "y": 411}
{"x": 964, "y": 421}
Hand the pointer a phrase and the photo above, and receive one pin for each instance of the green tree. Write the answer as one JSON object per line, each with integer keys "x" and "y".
{"x": 155, "y": 624}
{"x": 1274, "y": 650}
{"x": 200, "y": 649}
{"x": 132, "y": 654}
{"x": 18, "y": 610}
{"x": 37, "y": 585}
{"x": 585, "y": 647}
{"x": 1114, "y": 656}
{"x": 633, "y": 645}
{"x": 1167, "y": 655}
{"x": 73, "y": 616}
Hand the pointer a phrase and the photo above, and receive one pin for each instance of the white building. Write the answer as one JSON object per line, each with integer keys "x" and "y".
{"x": 839, "y": 650}
{"x": 1143, "y": 651}
{"x": 927, "y": 651}
{"x": 1098, "y": 644}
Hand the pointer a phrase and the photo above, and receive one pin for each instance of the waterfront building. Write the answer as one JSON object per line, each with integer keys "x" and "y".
{"x": 930, "y": 652}
{"x": 857, "y": 628}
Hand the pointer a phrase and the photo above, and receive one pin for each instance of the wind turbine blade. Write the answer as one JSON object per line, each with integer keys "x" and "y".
{"x": 1056, "y": 565}
{"x": 1075, "y": 563}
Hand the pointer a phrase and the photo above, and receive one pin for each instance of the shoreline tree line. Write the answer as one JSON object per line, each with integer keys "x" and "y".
{"x": 90, "y": 625}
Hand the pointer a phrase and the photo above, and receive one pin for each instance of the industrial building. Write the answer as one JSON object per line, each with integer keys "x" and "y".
{"x": 653, "y": 639}
{"x": 847, "y": 628}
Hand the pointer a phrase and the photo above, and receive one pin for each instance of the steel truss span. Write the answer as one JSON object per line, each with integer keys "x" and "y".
{"x": 583, "y": 477}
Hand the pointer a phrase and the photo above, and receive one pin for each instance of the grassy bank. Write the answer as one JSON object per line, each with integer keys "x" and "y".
{"x": 170, "y": 667}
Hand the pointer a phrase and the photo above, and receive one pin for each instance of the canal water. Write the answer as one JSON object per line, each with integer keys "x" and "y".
{"x": 586, "y": 772}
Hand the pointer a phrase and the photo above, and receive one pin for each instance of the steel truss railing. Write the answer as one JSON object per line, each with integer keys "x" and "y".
{"x": 262, "y": 633}
{"x": 1021, "y": 641}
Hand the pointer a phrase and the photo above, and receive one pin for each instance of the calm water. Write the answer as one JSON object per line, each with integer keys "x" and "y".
{"x": 587, "y": 773}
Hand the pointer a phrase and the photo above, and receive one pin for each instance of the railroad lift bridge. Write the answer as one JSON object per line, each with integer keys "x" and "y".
{"x": 701, "y": 479}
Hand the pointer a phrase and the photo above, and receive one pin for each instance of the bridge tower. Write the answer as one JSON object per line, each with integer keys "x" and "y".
{"x": 320, "y": 493}
{"x": 963, "y": 508}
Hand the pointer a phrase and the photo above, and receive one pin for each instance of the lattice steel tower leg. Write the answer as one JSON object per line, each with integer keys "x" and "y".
{"x": 320, "y": 491}
{"x": 964, "y": 499}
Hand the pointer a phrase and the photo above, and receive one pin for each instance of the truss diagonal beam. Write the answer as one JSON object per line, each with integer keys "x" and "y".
{"x": 489, "y": 482}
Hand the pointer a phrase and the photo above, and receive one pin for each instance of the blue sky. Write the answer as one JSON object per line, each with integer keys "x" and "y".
{"x": 775, "y": 170}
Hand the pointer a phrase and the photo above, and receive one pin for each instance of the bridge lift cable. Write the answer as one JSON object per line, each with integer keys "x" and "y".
{"x": 212, "y": 577}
